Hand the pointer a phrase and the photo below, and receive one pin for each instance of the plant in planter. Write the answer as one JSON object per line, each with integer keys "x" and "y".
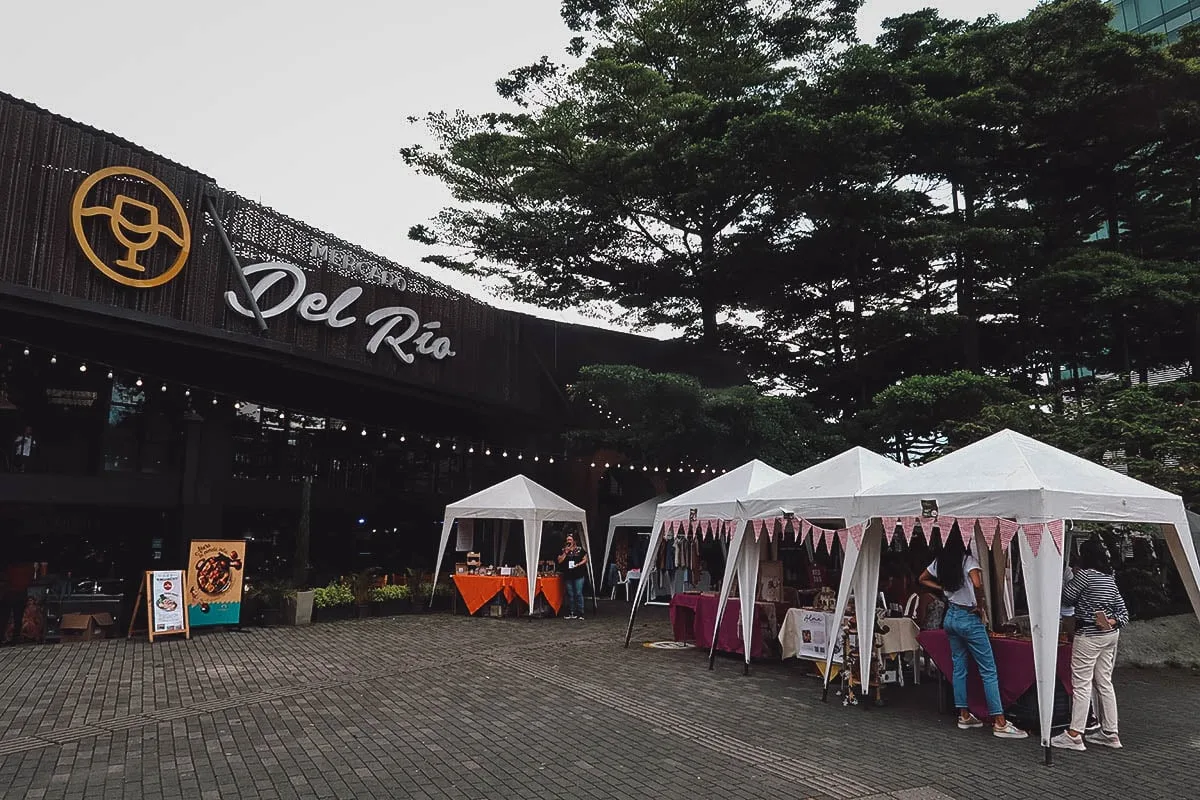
{"x": 361, "y": 585}
{"x": 298, "y": 607}
{"x": 441, "y": 596}
{"x": 264, "y": 601}
{"x": 333, "y": 602}
{"x": 389, "y": 600}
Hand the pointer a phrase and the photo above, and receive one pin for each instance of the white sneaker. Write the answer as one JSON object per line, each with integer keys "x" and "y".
{"x": 570, "y": 616}
{"x": 1104, "y": 739}
{"x": 1009, "y": 731}
{"x": 1068, "y": 742}
{"x": 971, "y": 721}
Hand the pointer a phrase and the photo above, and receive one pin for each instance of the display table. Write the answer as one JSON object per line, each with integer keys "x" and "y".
{"x": 807, "y": 633}
{"x": 693, "y": 616}
{"x": 1014, "y": 666}
{"x": 478, "y": 590}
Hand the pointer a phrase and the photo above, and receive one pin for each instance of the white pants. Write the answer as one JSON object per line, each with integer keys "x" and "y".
{"x": 1092, "y": 662}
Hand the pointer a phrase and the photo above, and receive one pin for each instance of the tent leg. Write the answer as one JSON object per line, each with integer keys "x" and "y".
{"x": 825, "y": 693}
{"x": 1049, "y": 756}
{"x": 746, "y": 668}
{"x": 712, "y": 659}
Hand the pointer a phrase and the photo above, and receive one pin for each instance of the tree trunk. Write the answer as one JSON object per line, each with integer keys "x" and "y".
{"x": 966, "y": 292}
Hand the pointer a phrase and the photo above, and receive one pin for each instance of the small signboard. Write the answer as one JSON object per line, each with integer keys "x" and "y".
{"x": 214, "y": 582}
{"x": 163, "y": 591}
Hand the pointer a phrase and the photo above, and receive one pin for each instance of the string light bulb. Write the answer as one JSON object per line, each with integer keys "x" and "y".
{"x": 537, "y": 458}
{"x": 26, "y": 351}
{"x": 214, "y": 401}
{"x": 53, "y": 359}
{"x": 551, "y": 459}
{"x": 606, "y": 465}
{"x": 186, "y": 392}
{"x": 438, "y": 445}
{"x": 593, "y": 465}
{"x": 471, "y": 449}
{"x": 402, "y": 437}
{"x": 164, "y": 387}
{"x": 83, "y": 367}
{"x": 383, "y": 435}
{"x": 138, "y": 382}
{"x": 487, "y": 452}
{"x": 343, "y": 428}
{"x": 504, "y": 454}
{"x": 364, "y": 431}
{"x": 110, "y": 374}
{"x": 520, "y": 456}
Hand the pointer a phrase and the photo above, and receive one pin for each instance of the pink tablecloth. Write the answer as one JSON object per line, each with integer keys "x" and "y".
{"x": 1014, "y": 664}
{"x": 692, "y": 617}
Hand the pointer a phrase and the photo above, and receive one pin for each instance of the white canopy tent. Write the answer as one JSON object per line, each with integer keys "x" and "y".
{"x": 517, "y": 498}
{"x": 824, "y": 492}
{"x": 1010, "y": 476}
{"x": 640, "y": 516}
{"x": 712, "y": 502}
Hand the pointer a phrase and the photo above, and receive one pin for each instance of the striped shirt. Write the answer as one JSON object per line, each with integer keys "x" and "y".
{"x": 1091, "y": 591}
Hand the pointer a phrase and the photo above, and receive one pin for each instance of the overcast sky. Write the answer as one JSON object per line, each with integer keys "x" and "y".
{"x": 302, "y": 104}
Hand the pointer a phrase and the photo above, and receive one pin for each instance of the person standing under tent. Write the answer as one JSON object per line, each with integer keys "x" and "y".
{"x": 957, "y": 574}
{"x": 1100, "y": 612}
{"x": 573, "y": 563}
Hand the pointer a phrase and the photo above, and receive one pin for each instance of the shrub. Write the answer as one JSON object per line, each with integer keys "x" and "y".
{"x": 382, "y": 594}
{"x": 335, "y": 594}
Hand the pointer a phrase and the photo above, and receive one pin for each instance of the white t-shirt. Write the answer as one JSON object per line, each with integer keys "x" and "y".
{"x": 965, "y": 594}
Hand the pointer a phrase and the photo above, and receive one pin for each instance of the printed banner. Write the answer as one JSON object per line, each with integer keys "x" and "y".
{"x": 214, "y": 582}
{"x": 166, "y": 601}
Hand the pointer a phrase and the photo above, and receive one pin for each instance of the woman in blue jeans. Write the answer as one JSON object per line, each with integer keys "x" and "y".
{"x": 573, "y": 565}
{"x": 956, "y": 574}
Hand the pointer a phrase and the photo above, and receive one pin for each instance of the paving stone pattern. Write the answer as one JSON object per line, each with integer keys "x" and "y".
{"x": 443, "y": 706}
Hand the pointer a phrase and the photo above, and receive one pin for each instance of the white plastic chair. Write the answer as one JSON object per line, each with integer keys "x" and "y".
{"x": 630, "y": 576}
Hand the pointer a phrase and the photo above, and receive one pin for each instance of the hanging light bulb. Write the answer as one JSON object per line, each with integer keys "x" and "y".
{"x": 487, "y": 452}
{"x": 656, "y": 469}
{"x": 238, "y": 406}
{"x": 504, "y": 454}
{"x": 53, "y": 359}
{"x": 668, "y": 469}
{"x": 164, "y": 387}
{"x": 438, "y": 445}
{"x": 647, "y": 469}
{"x": 26, "y": 351}
{"x": 551, "y": 459}
{"x": 402, "y": 437}
{"x": 186, "y": 392}
{"x": 83, "y": 367}
{"x": 343, "y": 427}
{"x": 520, "y": 456}
{"x": 537, "y": 458}
{"x": 138, "y": 382}
{"x": 110, "y": 374}
{"x": 593, "y": 465}
{"x": 454, "y": 446}
{"x": 383, "y": 435}
{"x": 364, "y": 431}
{"x": 471, "y": 449}
{"x": 214, "y": 401}
{"x": 693, "y": 470}
{"x": 606, "y": 465}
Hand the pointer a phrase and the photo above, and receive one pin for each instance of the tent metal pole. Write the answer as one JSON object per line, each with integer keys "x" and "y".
{"x": 1049, "y": 754}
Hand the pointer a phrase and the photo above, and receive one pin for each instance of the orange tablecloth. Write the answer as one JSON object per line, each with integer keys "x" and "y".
{"x": 477, "y": 590}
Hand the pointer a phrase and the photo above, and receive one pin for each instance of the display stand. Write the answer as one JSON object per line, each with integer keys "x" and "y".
{"x": 161, "y": 620}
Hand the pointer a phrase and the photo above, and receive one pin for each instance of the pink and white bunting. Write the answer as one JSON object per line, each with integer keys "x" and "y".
{"x": 988, "y": 527}
{"x": 889, "y": 527}
{"x": 806, "y": 532}
{"x": 757, "y": 526}
{"x": 856, "y": 533}
{"x": 1055, "y": 526}
{"x": 966, "y": 529}
{"x": 843, "y": 534}
{"x": 1033, "y": 535}
{"x": 1008, "y": 529}
{"x": 906, "y": 527}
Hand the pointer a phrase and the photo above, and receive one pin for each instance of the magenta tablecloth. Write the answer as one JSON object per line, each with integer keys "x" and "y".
{"x": 1014, "y": 663}
{"x": 692, "y": 617}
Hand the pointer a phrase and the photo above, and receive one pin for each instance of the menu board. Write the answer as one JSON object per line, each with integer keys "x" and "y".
{"x": 166, "y": 601}
{"x": 817, "y": 635}
{"x": 214, "y": 582}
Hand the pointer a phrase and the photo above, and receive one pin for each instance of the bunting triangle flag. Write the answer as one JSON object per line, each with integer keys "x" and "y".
{"x": 889, "y": 527}
{"x": 805, "y": 531}
{"x": 1008, "y": 529}
{"x": 856, "y": 533}
{"x": 947, "y": 526}
{"x": 1033, "y": 535}
{"x": 798, "y": 530}
{"x": 988, "y": 526}
{"x": 843, "y": 535}
{"x": 906, "y": 527}
{"x": 829, "y": 541}
{"x": 966, "y": 529}
{"x": 1055, "y": 526}
{"x": 756, "y": 525}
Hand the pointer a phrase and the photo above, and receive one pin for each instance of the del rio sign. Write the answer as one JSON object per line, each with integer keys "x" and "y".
{"x": 399, "y": 327}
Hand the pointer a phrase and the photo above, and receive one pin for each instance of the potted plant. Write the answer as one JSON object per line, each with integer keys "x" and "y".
{"x": 389, "y": 600}
{"x": 333, "y": 602}
{"x": 263, "y": 602}
{"x": 298, "y": 607}
{"x": 436, "y": 599}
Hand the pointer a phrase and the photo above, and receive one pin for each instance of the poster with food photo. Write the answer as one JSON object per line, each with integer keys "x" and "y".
{"x": 166, "y": 600}
{"x": 214, "y": 585}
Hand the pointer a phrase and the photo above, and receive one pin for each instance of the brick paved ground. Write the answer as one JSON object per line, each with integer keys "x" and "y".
{"x": 446, "y": 706}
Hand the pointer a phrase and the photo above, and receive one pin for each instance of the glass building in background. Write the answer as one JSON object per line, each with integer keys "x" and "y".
{"x": 1156, "y": 16}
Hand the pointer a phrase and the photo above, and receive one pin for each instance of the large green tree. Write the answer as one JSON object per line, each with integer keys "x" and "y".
{"x": 640, "y": 174}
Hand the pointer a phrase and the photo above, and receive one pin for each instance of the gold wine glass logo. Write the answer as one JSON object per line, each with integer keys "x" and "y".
{"x": 135, "y": 225}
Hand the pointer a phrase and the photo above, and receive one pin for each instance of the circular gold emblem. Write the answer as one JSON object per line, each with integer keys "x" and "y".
{"x": 136, "y": 227}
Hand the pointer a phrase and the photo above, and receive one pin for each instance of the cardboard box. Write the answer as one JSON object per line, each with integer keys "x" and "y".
{"x": 85, "y": 627}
